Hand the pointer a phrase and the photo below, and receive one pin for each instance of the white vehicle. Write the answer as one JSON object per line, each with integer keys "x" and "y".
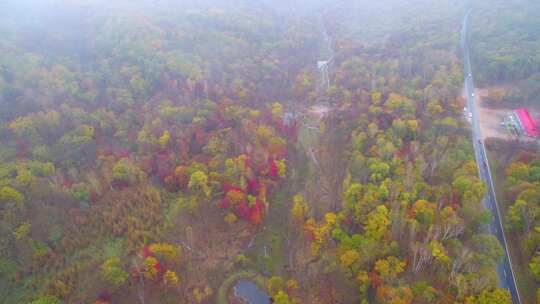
{"x": 470, "y": 75}
{"x": 465, "y": 109}
{"x": 470, "y": 115}
{"x": 472, "y": 94}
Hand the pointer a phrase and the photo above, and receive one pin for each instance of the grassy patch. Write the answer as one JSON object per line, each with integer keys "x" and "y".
{"x": 271, "y": 240}
{"x": 307, "y": 138}
{"x": 272, "y": 262}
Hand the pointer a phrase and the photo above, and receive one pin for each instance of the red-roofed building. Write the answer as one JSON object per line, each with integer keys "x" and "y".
{"x": 528, "y": 126}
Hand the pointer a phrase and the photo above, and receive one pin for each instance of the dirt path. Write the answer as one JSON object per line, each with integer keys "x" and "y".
{"x": 490, "y": 118}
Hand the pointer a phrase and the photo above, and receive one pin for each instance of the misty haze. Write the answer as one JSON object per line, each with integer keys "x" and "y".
{"x": 269, "y": 151}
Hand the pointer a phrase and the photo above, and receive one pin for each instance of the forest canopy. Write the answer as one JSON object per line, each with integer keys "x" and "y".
{"x": 160, "y": 151}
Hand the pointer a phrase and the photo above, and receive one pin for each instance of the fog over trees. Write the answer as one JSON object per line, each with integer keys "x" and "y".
{"x": 158, "y": 151}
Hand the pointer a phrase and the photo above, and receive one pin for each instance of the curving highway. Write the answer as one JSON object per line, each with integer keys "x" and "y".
{"x": 504, "y": 268}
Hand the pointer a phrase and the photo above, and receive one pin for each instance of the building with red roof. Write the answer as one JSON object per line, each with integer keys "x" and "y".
{"x": 527, "y": 125}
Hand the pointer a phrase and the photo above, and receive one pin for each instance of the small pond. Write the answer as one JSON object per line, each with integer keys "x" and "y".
{"x": 250, "y": 292}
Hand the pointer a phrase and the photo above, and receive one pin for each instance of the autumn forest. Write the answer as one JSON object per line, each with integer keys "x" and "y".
{"x": 164, "y": 151}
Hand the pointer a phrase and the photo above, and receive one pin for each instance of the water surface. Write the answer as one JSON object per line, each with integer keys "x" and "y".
{"x": 250, "y": 292}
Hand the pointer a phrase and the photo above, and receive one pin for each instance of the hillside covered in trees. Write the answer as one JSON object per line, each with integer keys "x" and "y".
{"x": 159, "y": 151}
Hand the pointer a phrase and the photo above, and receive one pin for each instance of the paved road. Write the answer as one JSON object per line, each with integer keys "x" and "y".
{"x": 504, "y": 268}
{"x": 324, "y": 64}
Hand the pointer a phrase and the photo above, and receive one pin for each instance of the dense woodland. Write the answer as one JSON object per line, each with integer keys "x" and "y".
{"x": 521, "y": 188}
{"x": 505, "y": 43}
{"x": 152, "y": 153}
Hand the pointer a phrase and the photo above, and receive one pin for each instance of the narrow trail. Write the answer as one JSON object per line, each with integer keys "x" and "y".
{"x": 273, "y": 248}
{"x": 321, "y": 108}
{"x": 316, "y": 183}
{"x": 323, "y": 65}
{"x": 329, "y": 163}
